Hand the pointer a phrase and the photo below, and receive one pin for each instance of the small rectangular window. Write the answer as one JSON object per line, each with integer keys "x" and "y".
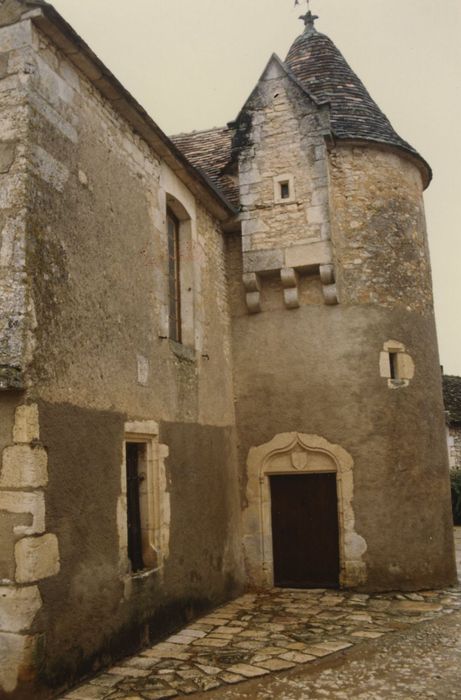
{"x": 174, "y": 278}
{"x": 134, "y": 478}
{"x": 284, "y": 190}
{"x": 393, "y": 362}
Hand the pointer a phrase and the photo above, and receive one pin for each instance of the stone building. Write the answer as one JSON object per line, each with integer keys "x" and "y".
{"x": 452, "y": 399}
{"x": 218, "y": 357}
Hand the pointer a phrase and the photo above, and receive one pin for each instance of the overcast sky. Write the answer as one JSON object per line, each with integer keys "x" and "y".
{"x": 192, "y": 64}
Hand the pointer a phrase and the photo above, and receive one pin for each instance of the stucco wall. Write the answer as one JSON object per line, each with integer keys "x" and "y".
{"x": 97, "y": 264}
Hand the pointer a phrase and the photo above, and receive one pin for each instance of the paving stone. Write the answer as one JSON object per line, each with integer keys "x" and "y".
{"x": 142, "y": 662}
{"x": 127, "y": 671}
{"x": 209, "y": 670}
{"x": 89, "y": 692}
{"x": 410, "y": 607}
{"x": 331, "y": 615}
{"x": 277, "y": 664}
{"x": 248, "y": 671}
{"x": 162, "y": 672}
{"x": 218, "y": 621}
{"x": 186, "y": 687}
{"x": 365, "y": 634}
{"x": 272, "y": 651}
{"x": 249, "y": 645}
{"x": 159, "y": 694}
{"x": 230, "y": 677}
{"x": 297, "y": 657}
{"x": 207, "y": 683}
{"x": 317, "y": 651}
{"x": 210, "y": 642}
{"x": 414, "y": 596}
{"x": 107, "y": 680}
{"x": 334, "y": 645}
{"x": 254, "y": 634}
{"x": 162, "y": 654}
{"x": 269, "y": 632}
{"x": 179, "y": 639}
{"x": 295, "y": 646}
{"x": 190, "y": 673}
{"x": 229, "y": 630}
{"x": 197, "y": 634}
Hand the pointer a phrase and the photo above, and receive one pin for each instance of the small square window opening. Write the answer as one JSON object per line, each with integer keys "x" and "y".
{"x": 284, "y": 190}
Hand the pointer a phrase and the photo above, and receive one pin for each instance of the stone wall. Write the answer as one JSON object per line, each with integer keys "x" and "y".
{"x": 378, "y": 229}
{"x": 101, "y": 363}
{"x": 454, "y": 446}
{"x": 285, "y": 235}
{"x": 16, "y": 310}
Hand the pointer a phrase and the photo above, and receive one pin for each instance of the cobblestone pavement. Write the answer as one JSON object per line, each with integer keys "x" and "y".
{"x": 265, "y": 633}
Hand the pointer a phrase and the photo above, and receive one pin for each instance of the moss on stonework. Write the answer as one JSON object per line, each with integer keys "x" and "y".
{"x": 11, "y": 378}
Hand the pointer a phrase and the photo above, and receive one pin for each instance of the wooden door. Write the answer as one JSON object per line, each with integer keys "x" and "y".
{"x": 305, "y": 531}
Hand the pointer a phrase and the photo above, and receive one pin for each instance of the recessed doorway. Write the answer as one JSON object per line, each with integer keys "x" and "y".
{"x": 305, "y": 532}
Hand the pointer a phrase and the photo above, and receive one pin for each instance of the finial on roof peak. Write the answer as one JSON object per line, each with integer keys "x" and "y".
{"x": 308, "y": 18}
{"x": 309, "y": 22}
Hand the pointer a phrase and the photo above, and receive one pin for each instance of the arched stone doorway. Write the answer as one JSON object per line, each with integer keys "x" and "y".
{"x": 298, "y": 453}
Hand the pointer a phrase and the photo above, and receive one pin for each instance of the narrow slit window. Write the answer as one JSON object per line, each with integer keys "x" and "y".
{"x": 174, "y": 284}
{"x": 134, "y": 478}
{"x": 284, "y": 190}
{"x": 393, "y": 362}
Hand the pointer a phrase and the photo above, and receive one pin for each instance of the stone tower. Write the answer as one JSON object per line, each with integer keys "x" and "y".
{"x": 335, "y": 350}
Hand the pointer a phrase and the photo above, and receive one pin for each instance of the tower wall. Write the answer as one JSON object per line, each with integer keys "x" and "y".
{"x": 324, "y": 370}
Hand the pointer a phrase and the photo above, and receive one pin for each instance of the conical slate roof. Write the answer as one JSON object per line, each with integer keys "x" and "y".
{"x": 323, "y": 71}
{"x": 320, "y": 68}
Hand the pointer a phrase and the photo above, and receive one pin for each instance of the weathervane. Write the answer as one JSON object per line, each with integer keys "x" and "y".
{"x": 308, "y": 18}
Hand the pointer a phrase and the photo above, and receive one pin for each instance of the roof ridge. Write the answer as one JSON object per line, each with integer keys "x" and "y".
{"x": 201, "y": 131}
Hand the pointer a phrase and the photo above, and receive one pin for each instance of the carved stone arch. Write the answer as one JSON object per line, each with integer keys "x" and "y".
{"x": 298, "y": 453}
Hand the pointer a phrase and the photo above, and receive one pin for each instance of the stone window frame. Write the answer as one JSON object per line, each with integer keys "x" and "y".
{"x": 403, "y": 364}
{"x": 257, "y": 518}
{"x": 278, "y": 181}
{"x": 155, "y": 504}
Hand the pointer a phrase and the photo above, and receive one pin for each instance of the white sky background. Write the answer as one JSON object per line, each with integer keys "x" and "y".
{"x": 193, "y": 63}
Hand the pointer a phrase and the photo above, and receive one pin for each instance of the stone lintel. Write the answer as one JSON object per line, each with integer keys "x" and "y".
{"x": 308, "y": 255}
{"x": 263, "y": 261}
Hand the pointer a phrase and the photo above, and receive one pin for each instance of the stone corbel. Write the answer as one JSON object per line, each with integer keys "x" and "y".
{"x": 252, "y": 292}
{"x": 289, "y": 278}
{"x": 327, "y": 278}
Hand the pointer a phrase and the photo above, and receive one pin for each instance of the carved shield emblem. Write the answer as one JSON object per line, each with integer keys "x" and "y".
{"x": 299, "y": 460}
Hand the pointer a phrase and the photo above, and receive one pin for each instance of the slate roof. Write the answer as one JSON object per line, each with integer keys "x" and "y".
{"x": 324, "y": 72}
{"x": 320, "y": 68}
{"x": 452, "y": 398}
{"x": 210, "y": 151}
